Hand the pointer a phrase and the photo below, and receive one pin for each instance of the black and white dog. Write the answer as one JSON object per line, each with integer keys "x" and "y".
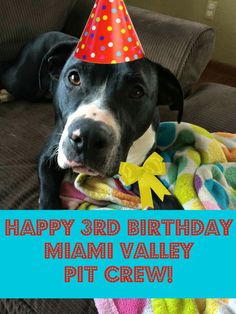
{"x": 105, "y": 114}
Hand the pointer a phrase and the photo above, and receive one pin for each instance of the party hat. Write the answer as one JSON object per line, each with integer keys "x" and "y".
{"x": 109, "y": 35}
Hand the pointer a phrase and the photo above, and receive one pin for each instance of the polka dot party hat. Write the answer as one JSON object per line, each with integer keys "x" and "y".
{"x": 109, "y": 35}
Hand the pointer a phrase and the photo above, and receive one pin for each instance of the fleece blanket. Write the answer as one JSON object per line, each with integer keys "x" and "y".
{"x": 166, "y": 306}
{"x": 201, "y": 173}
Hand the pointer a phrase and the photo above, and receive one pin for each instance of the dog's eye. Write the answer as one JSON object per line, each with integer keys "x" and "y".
{"x": 74, "y": 78}
{"x": 136, "y": 92}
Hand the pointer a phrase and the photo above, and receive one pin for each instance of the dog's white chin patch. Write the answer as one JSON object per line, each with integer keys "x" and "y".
{"x": 62, "y": 160}
{"x": 141, "y": 147}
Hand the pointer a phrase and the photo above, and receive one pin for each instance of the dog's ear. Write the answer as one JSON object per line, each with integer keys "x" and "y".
{"x": 53, "y": 63}
{"x": 169, "y": 91}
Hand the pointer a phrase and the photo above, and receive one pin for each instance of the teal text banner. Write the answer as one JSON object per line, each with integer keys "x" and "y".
{"x": 117, "y": 254}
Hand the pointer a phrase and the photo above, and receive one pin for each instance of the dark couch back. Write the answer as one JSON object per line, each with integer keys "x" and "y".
{"x": 23, "y": 20}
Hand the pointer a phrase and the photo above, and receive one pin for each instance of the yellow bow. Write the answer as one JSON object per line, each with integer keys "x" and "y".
{"x": 145, "y": 176}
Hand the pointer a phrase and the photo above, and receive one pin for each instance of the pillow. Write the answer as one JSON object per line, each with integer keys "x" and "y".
{"x": 21, "y": 21}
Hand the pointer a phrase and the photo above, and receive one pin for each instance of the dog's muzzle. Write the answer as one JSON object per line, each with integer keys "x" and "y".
{"x": 89, "y": 146}
{"x": 89, "y": 137}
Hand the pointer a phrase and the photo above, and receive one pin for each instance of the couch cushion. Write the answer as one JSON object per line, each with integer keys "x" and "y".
{"x": 212, "y": 106}
{"x": 24, "y": 128}
{"x": 20, "y": 21}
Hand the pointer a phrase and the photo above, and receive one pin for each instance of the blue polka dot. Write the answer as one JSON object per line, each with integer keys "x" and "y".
{"x": 166, "y": 184}
{"x": 166, "y": 156}
{"x": 218, "y": 192}
{"x": 92, "y": 35}
{"x": 86, "y": 34}
{"x": 113, "y": 10}
{"x": 166, "y": 134}
{"x": 135, "y": 56}
{"x": 102, "y": 48}
{"x": 84, "y": 57}
{"x": 118, "y": 53}
{"x": 104, "y": 7}
{"x": 101, "y": 37}
{"x": 126, "y": 18}
{"x": 130, "y": 39}
{"x": 220, "y": 167}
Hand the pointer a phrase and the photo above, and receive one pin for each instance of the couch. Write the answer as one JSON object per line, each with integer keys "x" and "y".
{"x": 182, "y": 46}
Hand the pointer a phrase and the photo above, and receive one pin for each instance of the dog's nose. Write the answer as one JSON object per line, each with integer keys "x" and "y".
{"x": 76, "y": 139}
{"x": 92, "y": 138}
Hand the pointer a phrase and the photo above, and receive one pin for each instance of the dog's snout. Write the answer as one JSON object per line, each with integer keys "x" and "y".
{"x": 90, "y": 137}
{"x": 77, "y": 140}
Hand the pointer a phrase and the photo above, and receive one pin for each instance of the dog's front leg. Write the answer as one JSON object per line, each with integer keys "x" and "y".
{"x": 50, "y": 175}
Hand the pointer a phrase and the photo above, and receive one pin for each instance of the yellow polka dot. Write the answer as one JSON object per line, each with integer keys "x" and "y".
{"x": 201, "y": 131}
{"x": 194, "y": 155}
{"x": 195, "y": 204}
{"x": 120, "y": 7}
{"x": 123, "y": 31}
{"x": 92, "y": 15}
{"x": 98, "y": 19}
{"x": 184, "y": 189}
{"x": 113, "y": 61}
{"x": 105, "y": 17}
{"x": 125, "y": 48}
{"x": 129, "y": 27}
{"x": 109, "y": 28}
{"x": 83, "y": 46}
{"x": 137, "y": 43}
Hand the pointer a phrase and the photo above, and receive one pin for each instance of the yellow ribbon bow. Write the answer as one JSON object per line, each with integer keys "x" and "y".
{"x": 145, "y": 176}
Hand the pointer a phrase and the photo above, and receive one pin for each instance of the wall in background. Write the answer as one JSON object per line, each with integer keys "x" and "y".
{"x": 224, "y": 22}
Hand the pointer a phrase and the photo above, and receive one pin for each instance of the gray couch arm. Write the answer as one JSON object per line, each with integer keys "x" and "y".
{"x": 182, "y": 46}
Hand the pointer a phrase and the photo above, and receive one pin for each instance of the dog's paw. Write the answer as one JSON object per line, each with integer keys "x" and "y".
{"x": 5, "y": 96}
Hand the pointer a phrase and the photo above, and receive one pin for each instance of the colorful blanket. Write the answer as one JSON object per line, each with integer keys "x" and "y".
{"x": 166, "y": 306}
{"x": 201, "y": 167}
{"x": 84, "y": 192}
{"x": 201, "y": 173}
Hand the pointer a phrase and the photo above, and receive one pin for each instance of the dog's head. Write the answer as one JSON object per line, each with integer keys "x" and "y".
{"x": 110, "y": 112}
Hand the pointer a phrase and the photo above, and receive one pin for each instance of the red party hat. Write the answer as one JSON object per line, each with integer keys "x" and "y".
{"x": 109, "y": 35}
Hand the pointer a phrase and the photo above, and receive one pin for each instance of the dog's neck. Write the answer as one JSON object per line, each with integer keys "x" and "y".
{"x": 142, "y": 147}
